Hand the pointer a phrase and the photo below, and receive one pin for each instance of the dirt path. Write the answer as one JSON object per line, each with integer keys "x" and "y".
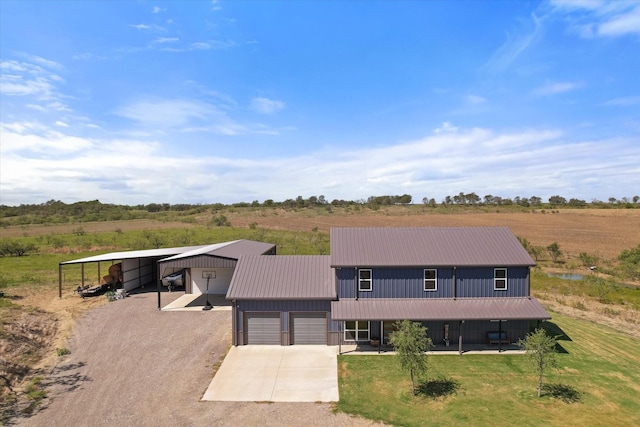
{"x": 133, "y": 365}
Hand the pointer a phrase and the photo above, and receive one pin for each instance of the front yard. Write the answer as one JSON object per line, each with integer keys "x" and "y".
{"x": 597, "y": 383}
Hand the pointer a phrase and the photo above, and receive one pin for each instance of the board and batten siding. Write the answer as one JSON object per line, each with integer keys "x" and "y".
{"x": 474, "y": 282}
{"x": 478, "y": 283}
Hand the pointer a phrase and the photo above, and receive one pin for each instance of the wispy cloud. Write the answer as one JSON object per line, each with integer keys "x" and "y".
{"x": 147, "y": 27}
{"x": 266, "y": 106}
{"x": 600, "y": 18}
{"x": 166, "y": 40}
{"x": 624, "y": 101}
{"x": 555, "y": 88}
{"x": 62, "y": 124}
{"x": 516, "y": 44}
{"x": 158, "y": 9}
{"x": 27, "y": 79}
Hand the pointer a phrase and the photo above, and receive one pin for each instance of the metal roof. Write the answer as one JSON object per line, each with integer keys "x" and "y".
{"x": 426, "y": 246}
{"x": 289, "y": 277}
{"x": 439, "y": 309}
{"x": 234, "y": 250}
{"x": 147, "y": 253}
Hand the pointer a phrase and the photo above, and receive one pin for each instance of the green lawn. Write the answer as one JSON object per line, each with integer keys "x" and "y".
{"x": 602, "y": 365}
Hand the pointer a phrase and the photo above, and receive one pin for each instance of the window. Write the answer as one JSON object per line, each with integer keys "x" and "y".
{"x": 499, "y": 279}
{"x": 356, "y": 330}
{"x": 430, "y": 279}
{"x": 364, "y": 283}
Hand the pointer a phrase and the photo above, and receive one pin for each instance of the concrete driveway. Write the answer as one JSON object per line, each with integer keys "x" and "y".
{"x": 265, "y": 373}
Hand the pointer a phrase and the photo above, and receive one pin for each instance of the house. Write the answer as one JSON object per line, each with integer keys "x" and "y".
{"x": 463, "y": 283}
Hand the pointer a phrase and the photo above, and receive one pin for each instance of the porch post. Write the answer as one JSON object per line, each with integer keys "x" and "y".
{"x": 381, "y": 337}
{"x": 499, "y": 336}
{"x": 460, "y": 337}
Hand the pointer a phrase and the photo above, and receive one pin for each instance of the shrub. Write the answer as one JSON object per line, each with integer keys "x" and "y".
{"x": 62, "y": 351}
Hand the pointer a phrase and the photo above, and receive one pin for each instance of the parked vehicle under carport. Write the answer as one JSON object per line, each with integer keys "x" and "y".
{"x": 173, "y": 280}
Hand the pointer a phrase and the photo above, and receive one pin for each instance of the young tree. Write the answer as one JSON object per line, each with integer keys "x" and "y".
{"x": 554, "y": 251}
{"x": 411, "y": 342}
{"x": 541, "y": 351}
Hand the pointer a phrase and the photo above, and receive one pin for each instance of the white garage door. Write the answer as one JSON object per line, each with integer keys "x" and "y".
{"x": 262, "y": 328}
{"x": 309, "y": 328}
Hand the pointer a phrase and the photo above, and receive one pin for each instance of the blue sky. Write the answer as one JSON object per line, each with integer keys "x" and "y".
{"x": 135, "y": 102}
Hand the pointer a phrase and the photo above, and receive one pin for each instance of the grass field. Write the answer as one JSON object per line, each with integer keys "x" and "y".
{"x": 597, "y": 363}
{"x": 31, "y": 306}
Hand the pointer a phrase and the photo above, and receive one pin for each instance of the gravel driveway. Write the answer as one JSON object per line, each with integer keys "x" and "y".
{"x": 131, "y": 364}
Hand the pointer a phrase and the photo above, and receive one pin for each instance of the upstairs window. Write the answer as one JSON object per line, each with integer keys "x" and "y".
{"x": 430, "y": 279}
{"x": 499, "y": 279}
{"x": 364, "y": 282}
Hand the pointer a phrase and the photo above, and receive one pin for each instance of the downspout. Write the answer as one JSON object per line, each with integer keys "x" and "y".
{"x": 355, "y": 283}
{"x": 453, "y": 285}
{"x": 234, "y": 321}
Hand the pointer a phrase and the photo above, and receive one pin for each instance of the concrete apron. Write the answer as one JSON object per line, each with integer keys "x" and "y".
{"x": 267, "y": 373}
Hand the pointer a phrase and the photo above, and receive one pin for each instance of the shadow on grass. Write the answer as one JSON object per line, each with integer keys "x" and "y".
{"x": 556, "y": 331}
{"x": 440, "y": 387}
{"x": 564, "y": 392}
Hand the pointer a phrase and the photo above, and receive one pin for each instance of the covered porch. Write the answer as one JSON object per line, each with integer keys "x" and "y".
{"x": 454, "y": 325}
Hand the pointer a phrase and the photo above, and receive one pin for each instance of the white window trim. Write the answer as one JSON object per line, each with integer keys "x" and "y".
{"x": 495, "y": 279}
{"x": 356, "y": 330}
{"x": 370, "y": 279}
{"x": 435, "y": 280}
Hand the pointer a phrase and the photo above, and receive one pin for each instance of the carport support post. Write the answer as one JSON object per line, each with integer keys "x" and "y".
{"x": 159, "y": 289}
{"x": 60, "y": 280}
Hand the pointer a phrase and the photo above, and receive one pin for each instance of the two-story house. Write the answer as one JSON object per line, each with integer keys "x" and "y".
{"x": 461, "y": 282}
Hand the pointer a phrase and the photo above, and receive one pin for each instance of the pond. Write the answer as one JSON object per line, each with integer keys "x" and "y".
{"x": 566, "y": 276}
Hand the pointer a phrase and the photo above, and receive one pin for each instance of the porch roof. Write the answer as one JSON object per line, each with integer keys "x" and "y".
{"x": 448, "y": 309}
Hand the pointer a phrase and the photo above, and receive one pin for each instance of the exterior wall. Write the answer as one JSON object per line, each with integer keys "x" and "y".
{"x": 478, "y": 283}
{"x": 218, "y": 285}
{"x": 285, "y": 307}
{"x": 409, "y": 283}
{"x": 137, "y": 272}
{"x": 473, "y": 332}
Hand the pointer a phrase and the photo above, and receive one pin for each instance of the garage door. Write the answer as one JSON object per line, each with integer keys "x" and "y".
{"x": 309, "y": 328}
{"x": 262, "y": 328}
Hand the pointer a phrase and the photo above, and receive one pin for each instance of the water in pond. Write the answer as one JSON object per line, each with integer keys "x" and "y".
{"x": 566, "y": 276}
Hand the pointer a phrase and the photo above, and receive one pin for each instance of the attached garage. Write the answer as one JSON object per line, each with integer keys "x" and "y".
{"x": 262, "y": 328}
{"x": 308, "y": 328}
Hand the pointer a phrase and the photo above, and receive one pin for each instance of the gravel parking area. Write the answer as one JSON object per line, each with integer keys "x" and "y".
{"x": 131, "y": 364}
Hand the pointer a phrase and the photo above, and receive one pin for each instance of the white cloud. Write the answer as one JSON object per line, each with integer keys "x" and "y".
{"x": 60, "y": 123}
{"x": 475, "y": 100}
{"x": 266, "y": 106}
{"x": 600, "y": 18}
{"x": 555, "y": 88}
{"x": 158, "y": 9}
{"x": 166, "y": 40}
{"x": 446, "y": 128}
{"x": 140, "y": 26}
{"x": 39, "y": 164}
{"x": 516, "y": 44}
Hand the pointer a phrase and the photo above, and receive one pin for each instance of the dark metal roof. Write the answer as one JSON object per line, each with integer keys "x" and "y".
{"x": 426, "y": 246}
{"x": 439, "y": 309}
{"x": 288, "y": 277}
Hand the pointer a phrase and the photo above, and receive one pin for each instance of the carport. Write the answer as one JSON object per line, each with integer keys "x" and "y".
{"x": 139, "y": 268}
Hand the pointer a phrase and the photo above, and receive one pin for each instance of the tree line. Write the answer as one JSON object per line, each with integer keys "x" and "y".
{"x": 57, "y": 211}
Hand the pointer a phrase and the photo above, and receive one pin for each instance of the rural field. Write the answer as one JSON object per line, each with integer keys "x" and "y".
{"x": 36, "y": 324}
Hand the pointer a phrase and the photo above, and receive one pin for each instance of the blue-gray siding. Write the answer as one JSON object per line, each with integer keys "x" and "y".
{"x": 409, "y": 283}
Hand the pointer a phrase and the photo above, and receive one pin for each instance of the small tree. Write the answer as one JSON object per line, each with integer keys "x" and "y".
{"x": 411, "y": 342}
{"x": 541, "y": 351}
{"x": 554, "y": 251}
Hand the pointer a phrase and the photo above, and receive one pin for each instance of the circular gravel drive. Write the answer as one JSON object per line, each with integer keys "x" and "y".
{"x": 131, "y": 364}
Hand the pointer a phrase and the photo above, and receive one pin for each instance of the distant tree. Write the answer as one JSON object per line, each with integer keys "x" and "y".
{"x": 16, "y": 248}
{"x": 410, "y": 342}
{"x": 322, "y": 200}
{"x": 541, "y": 352}
{"x": 268, "y": 202}
{"x": 636, "y": 199}
{"x": 535, "y": 200}
{"x": 554, "y": 251}
{"x": 557, "y": 200}
{"x": 405, "y": 199}
{"x": 613, "y": 200}
{"x": 447, "y": 200}
{"x": 577, "y": 203}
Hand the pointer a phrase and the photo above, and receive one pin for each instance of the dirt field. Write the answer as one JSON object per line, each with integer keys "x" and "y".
{"x": 601, "y": 232}
{"x": 132, "y": 365}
